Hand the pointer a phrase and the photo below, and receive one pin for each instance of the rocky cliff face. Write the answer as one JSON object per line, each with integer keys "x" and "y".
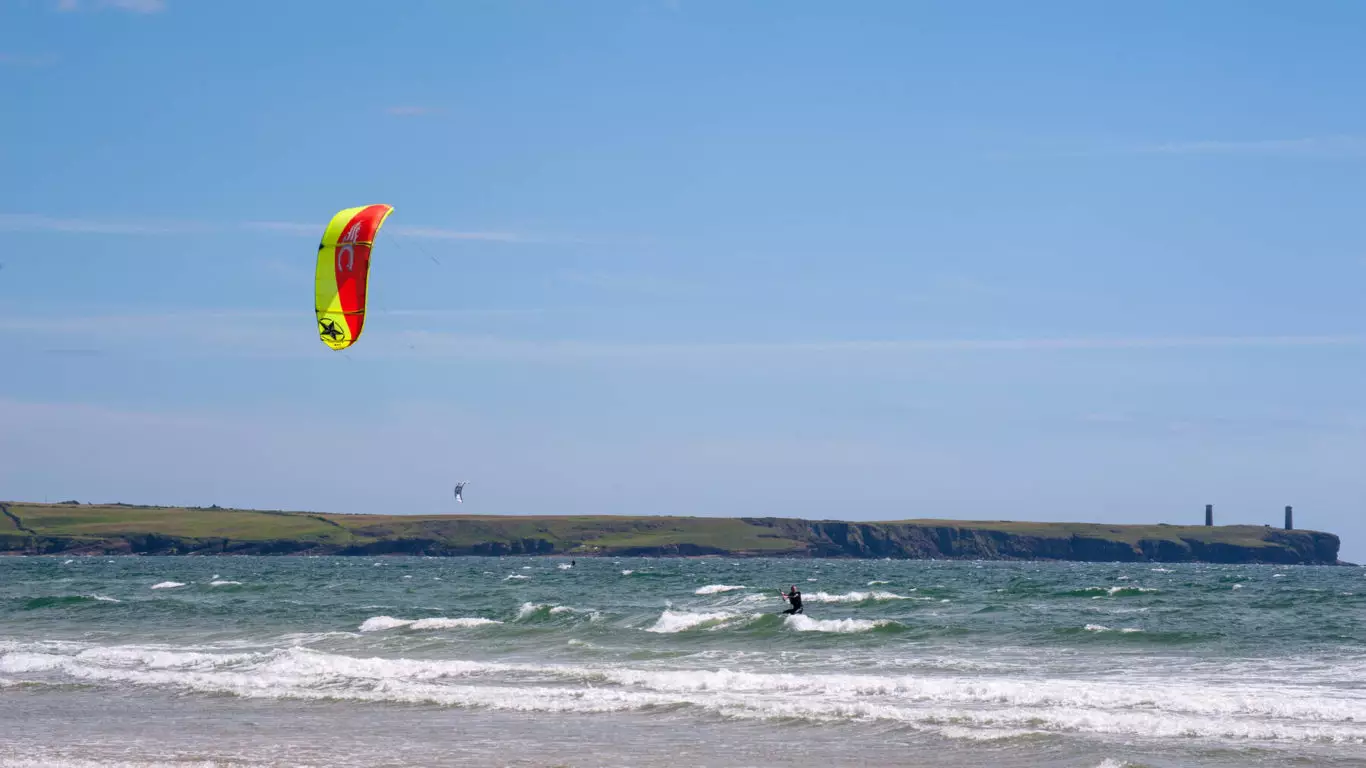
{"x": 897, "y": 540}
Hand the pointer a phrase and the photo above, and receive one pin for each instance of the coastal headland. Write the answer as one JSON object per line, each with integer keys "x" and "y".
{"x": 125, "y": 529}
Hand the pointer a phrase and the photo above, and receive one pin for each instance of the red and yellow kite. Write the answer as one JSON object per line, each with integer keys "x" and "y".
{"x": 343, "y": 268}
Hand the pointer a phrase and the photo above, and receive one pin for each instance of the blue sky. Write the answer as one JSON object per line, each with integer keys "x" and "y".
{"x": 1053, "y": 261}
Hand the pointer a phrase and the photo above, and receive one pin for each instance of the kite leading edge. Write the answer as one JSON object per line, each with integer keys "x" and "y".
{"x": 343, "y": 270}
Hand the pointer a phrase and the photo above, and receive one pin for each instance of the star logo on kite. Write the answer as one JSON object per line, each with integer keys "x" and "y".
{"x": 330, "y": 329}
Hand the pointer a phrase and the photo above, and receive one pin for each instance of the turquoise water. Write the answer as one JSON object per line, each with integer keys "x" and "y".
{"x": 528, "y": 661}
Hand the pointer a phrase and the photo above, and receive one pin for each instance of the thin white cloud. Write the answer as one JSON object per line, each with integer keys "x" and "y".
{"x": 1323, "y": 146}
{"x": 412, "y": 111}
{"x": 275, "y": 332}
{"x": 27, "y": 60}
{"x": 629, "y": 283}
{"x": 29, "y": 222}
{"x": 1258, "y": 421}
{"x": 425, "y": 233}
{"x": 73, "y": 352}
{"x": 454, "y": 313}
{"x": 429, "y": 343}
{"x": 437, "y": 233}
{"x": 129, "y": 6}
{"x": 290, "y": 227}
{"x": 149, "y": 323}
{"x": 137, "y": 6}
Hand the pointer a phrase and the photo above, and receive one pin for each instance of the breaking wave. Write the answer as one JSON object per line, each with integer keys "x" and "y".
{"x": 1125, "y": 591}
{"x": 1122, "y": 704}
{"x": 541, "y": 610}
{"x": 852, "y": 597}
{"x": 671, "y": 621}
{"x": 803, "y": 623}
{"x": 381, "y": 623}
{"x": 712, "y": 589}
{"x": 1102, "y": 628}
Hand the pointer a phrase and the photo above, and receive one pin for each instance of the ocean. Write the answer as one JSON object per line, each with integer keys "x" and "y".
{"x": 407, "y": 661}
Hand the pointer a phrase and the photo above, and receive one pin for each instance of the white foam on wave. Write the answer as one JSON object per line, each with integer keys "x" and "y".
{"x": 1124, "y": 704}
{"x": 1103, "y": 628}
{"x": 671, "y": 621}
{"x": 382, "y": 623}
{"x": 223, "y": 583}
{"x": 875, "y": 583}
{"x": 564, "y": 566}
{"x": 104, "y": 599}
{"x": 168, "y": 585}
{"x": 627, "y": 572}
{"x": 1120, "y": 590}
{"x": 852, "y": 597}
{"x": 514, "y": 577}
{"x": 530, "y": 609}
{"x": 712, "y": 589}
{"x": 803, "y": 623}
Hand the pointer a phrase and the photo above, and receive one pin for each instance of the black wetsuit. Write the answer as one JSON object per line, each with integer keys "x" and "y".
{"x": 796, "y": 599}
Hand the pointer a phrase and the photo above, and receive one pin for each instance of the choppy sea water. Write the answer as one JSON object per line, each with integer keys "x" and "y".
{"x": 249, "y": 661}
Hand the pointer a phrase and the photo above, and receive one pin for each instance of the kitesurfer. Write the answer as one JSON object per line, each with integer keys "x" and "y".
{"x": 793, "y": 597}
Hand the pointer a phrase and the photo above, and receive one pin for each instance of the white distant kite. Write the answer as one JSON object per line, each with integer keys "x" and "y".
{"x": 459, "y": 488}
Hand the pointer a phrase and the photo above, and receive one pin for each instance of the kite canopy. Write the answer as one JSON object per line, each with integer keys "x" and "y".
{"x": 343, "y": 269}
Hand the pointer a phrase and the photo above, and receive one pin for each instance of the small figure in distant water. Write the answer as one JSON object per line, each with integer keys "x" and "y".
{"x": 793, "y": 597}
{"x": 573, "y": 563}
{"x": 459, "y": 489}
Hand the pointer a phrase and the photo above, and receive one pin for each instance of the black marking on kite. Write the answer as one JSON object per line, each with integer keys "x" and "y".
{"x": 330, "y": 329}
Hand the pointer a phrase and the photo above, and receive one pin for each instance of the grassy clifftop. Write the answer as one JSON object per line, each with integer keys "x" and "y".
{"x": 117, "y": 528}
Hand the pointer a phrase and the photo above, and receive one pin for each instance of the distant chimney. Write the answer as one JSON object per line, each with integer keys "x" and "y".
{"x": 1289, "y": 519}
{"x": 1209, "y": 514}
